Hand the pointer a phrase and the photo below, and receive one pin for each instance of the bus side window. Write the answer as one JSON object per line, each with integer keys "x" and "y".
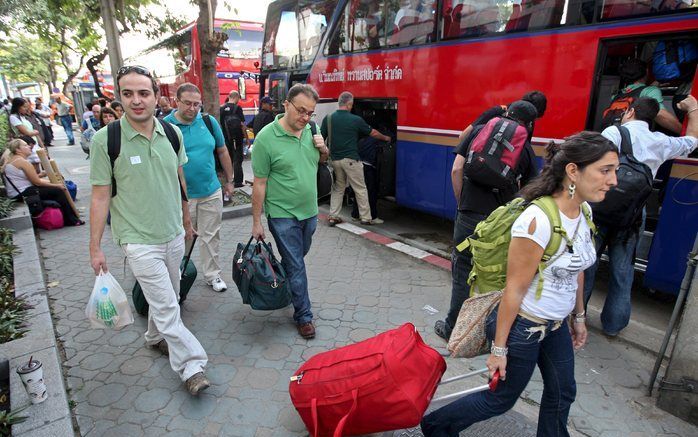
{"x": 413, "y": 22}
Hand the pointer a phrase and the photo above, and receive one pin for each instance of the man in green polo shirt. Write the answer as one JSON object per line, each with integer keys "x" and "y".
{"x": 149, "y": 219}
{"x": 343, "y": 130}
{"x": 284, "y": 162}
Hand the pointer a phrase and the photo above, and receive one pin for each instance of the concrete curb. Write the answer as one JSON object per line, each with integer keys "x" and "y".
{"x": 52, "y": 417}
{"x": 231, "y": 212}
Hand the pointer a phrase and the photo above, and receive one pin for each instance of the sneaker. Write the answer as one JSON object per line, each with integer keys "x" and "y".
{"x": 377, "y": 221}
{"x": 306, "y": 330}
{"x": 162, "y": 347}
{"x": 442, "y": 330}
{"x": 218, "y": 285}
{"x": 197, "y": 383}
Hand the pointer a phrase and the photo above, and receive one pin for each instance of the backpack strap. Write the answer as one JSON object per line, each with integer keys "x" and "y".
{"x": 313, "y": 127}
{"x": 174, "y": 141}
{"x": 113, "y": 149}
{"x": 586, "y": 210}
{"x": 551, "y": 210}
{"x": 626, "y": 145}
{"x": 207, "y": 122}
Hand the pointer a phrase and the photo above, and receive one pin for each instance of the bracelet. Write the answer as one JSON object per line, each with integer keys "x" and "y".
{"x": 580, "y": 319}
{"x": 499, "y": 351}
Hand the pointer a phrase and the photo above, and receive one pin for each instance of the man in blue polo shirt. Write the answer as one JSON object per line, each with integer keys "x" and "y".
{"x": 203, "y": 186}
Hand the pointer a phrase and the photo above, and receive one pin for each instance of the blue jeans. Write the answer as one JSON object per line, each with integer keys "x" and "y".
{"x": 621, "y": 250}
{"x": 555, "y": 359}
{"x": 293, "y": 238}
{"x": 461, "y": 264}
{"x": 67, "y": 123}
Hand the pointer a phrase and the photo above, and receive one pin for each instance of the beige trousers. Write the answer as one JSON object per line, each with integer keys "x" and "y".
{"x": 206, "y": 214}
{"x": 352, "y": 171}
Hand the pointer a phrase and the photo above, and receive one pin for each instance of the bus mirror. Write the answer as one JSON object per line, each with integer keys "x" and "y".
{"x": 242, "y": 88}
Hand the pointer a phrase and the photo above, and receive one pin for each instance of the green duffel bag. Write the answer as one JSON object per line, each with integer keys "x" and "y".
{"x": 189, "y": 273}
{"x": 260, "y": 277}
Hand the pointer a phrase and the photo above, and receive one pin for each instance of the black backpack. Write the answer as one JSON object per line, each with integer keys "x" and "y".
{"x": 623, "y": 204}
{"x": 114, "y": 144}
{"x": 231, "y": 121}
{"x": 621, "y": 103}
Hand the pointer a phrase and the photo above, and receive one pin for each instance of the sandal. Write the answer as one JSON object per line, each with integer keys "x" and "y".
{"x": 441, "y": 330}
{"x": 334, "y": 221}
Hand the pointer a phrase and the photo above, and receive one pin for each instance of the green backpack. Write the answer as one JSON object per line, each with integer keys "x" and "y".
{"x": 489, "y": 244}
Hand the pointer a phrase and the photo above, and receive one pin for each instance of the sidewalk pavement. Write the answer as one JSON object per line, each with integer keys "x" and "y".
{"x": 358, "y": 289}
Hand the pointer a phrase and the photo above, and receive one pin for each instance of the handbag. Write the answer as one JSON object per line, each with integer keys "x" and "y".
{"x": 31, "y": 197}
{"x": 468, "y": 338}
{"x": 260, "y": 277}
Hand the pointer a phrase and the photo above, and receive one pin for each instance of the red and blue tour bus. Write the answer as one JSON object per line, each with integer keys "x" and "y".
{"x": 178, "y": 60}
{"x": 427, "y": 68}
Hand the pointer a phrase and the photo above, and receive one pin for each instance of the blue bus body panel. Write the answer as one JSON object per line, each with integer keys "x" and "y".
{"x": 420, "y": 182}
{"x": 675, "y": 235}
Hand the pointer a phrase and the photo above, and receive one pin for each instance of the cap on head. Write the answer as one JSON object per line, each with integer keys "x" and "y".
{"x": 266, "y": 99}
{"x": 522, "y": 111}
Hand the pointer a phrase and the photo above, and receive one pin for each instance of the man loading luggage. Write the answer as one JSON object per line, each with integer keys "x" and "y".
{"x": 285, "y": 162}
{"x": 149, "y": 217}
{"x": 476, "y": 201}
{"x": 652, "y": 149}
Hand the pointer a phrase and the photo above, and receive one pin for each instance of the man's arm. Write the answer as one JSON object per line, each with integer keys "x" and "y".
{"x": 259, "y": 191}
{"x": 465, "y": 133}
{"x": 99, "y": 208}
{"x": 189, "y": 230}
{"x": 457, "y": 175}
{"x": 379, "y": 136}
{"x": 668, "y": 121}
{"x": 690, "y": 106}
{"x": 224, "y": 159}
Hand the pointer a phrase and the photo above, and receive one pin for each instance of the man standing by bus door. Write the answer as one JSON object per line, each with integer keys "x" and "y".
{"x": 343, "y": 129}
{"x": 475, "y": 203}
{"x": 203, "y": 186}
{"x": 285, "y": 161}
{"x": 233, "y": 121}
{"x": 652, "y": 149}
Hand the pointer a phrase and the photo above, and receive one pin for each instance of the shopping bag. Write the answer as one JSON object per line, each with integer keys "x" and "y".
{"x": 108, "y": 307}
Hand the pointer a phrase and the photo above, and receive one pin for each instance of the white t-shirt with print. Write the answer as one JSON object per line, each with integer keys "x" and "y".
{"x": 560, "y": 277}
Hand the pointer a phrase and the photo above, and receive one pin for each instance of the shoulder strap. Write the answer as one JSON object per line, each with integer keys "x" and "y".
{"x": 329, "y": 130}
{"x": 113, "y": 149}
{"x": 207, "y": 122}
{"x": 626, "y": 145}
{"x": 557, "y": 233}
{"x": 313, "y": 127}
{"x": 171, "y": 135}
{"x": 586, "y": 210}
{"x": 7, "y": 178}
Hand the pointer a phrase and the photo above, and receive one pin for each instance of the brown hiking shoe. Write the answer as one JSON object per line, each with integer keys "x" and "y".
{"x": 306, "y": 330}
{"x": 162, "y": 347}
{"x": 197, "y": 383}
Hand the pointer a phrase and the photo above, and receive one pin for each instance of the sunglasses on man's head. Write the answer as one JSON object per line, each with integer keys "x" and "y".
{"x": 126, "y": 69}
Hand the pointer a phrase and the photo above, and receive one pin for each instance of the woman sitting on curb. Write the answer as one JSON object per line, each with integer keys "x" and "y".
{"x": 20, "y": 176}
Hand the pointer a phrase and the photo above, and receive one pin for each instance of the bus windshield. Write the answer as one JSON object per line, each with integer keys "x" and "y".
{"x": 242, "y": 44}
{"x": 294, "y": 32}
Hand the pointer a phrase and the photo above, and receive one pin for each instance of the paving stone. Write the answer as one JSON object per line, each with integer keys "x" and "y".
{"x": 136, "y": 366}
{"x": 152, "y": 400}
{"x": 220, "y": 373}
{"x": 125, "y": 338}
{"x": 198, "y": 407}
{"x": 106, "y": 394}
{"x": 276, "y": 351}
{"x": 329, "y": 314}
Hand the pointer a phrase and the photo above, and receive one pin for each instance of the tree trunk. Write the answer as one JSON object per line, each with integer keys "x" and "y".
{"x": 210, "y": 46}
{"x": 92, "y": 66}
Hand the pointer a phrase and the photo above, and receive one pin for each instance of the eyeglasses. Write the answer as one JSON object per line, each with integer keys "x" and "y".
{"x": 193, "y": 105}
{"x": 126, "y": 69}
{"x": 302, "y": 112}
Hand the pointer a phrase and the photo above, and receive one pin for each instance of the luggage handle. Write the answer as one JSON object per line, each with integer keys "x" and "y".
{"x": 242, "y": 254}
{"x": 491, "y": 385}
{"x": 191, "y": 249}
{"x": 342, "y": 422}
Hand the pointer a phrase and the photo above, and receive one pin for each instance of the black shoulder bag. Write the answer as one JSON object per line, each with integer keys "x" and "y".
{"x": 31, "y": 197}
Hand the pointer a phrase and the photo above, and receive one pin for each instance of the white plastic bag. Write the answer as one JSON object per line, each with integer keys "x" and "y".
{"x": 108, "y": 307}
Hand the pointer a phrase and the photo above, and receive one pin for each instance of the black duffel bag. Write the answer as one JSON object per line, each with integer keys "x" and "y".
{"x": 260, "y": 277}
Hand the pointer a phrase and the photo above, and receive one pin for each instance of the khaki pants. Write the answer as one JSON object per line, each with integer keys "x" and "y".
{"x": 352, "y": 171}
{"x": 156, "y": 268}
{"x": 206, "y": 214}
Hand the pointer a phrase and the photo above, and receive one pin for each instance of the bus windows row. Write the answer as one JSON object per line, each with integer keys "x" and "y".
{"x": 376, "y": 24}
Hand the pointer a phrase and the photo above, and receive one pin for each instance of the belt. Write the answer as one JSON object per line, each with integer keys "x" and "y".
{"x": 543, "y": 324}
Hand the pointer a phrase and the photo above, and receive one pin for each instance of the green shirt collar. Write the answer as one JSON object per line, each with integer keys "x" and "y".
{"x": 130, "y": 133}
{"x": 279, "y": 130}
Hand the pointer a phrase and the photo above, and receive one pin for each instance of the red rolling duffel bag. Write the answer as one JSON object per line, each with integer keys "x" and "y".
{"x": 380, "y": 384}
